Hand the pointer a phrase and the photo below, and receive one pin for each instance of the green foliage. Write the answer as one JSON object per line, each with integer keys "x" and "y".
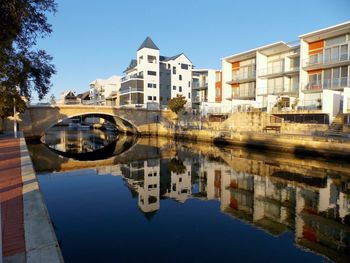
{"x": 177, "y": 104}
{"x": 7, "y": 100}
{"x": 177, "y": 166}
{"x": 21, "y": 23}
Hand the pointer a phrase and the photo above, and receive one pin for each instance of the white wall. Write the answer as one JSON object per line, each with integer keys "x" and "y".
{"x": 346, "y": 100}
{"x": 145, "y": 67}
{"x": 211, "y": 85}
{"x": 331, "y": 103}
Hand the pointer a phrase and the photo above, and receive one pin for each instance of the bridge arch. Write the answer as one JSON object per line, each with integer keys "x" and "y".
{"x": 121, "y": 124}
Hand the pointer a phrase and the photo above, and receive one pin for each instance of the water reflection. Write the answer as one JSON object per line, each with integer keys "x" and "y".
{"x": 277, "y": 194}
{"x": 74, "y": 140}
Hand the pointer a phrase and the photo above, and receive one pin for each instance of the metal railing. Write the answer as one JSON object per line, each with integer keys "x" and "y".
{"x": 321, "y": 58}
{"x": 249, "y": 94}
{"x": 337, "y": 83}
{"x": 238, "y": 75}
{"x": 303, "y": 105}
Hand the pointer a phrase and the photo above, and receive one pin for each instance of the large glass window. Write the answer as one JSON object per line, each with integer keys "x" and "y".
{"x": 344, "y": 52}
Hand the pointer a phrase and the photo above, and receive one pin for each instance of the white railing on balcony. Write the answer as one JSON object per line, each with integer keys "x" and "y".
{"x": 245, "y": 95}
{"x": 337, "y": 83}
{"x": 321, "y": 58}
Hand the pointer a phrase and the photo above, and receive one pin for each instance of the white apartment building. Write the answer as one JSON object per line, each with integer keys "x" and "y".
{"x": 100, "y": 89}
{"x": 324, "y": 74}
{"x": 151, "y": 80}
{"x": 310, "y": 76}
{"x": 206, "y": 90}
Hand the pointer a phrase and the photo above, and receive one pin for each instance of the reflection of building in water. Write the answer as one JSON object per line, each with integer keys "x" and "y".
{"x": 143, "y": 177}
{"x": 318, "y": 210}
{"x": 181, "y": 183}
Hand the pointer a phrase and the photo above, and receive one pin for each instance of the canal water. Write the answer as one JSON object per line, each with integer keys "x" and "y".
{"x": 156, "y": 200}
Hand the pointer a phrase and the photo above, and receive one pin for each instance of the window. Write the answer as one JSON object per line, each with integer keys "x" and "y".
{"x": 149, "y": 97}
{"x": 217, "y": 92}
{"x": 154, "y": 98}
{"x": 180, "y": 88}
{"x": 189, "y": 84}
{"x": 152, "y": 59}
{"x": 174, "y": 87}
{"x": 152, "y": 85}
{"x": 180, "y": 77}
{"x": 174, "y": 70}
{"x": 184, "y": 66}
{"x": 152, "y": 73}
{"x": 189, "y": 95}
{"x": 168, "y": 66}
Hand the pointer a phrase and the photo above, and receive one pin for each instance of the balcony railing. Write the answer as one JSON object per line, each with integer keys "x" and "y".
{"x": 276, "y": 90}
{"x": 322, "y": 59}
{"x": 334, "y": 84}
{"x": 243, "y": 75}
{"x": 277, "y": 70}
{"x": 245, "y": 95}
{"x": 126, "y": 78}
{"x": 130, "y": 89}
{"x": 199, "y": 85}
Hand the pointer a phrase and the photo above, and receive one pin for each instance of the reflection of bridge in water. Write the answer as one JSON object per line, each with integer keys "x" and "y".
{"x": 275, "y": 193}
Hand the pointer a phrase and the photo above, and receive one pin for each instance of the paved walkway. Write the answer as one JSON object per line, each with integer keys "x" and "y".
{"x": 11, "y": 193}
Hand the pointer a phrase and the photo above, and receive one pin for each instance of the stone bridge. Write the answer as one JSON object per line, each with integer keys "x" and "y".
{"x": 38, "y": 118}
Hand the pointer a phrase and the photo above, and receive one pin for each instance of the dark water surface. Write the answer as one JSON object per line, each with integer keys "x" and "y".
{"x": 165, "y": 201}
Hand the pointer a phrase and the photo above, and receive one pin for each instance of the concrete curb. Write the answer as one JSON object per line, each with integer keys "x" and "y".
{"x": 40, "y": 239}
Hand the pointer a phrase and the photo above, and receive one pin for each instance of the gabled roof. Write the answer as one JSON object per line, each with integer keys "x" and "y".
{"x": 84, "y": 96}
{"x": 165, "y": 59}
{"x": 132, "y": 64}
{"x": 148, "y": 43}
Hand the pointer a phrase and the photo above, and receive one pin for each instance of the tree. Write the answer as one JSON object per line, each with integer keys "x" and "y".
{"x": 176, "y": 166}
{"x": 21, "y": 23}
{"x": 177, "y": 104}
{"x": 7, "y": 102}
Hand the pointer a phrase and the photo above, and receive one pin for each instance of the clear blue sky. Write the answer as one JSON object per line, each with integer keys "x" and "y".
{"x": 97, "y": 39}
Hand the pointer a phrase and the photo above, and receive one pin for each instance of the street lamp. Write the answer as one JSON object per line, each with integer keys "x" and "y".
{"x": 14, "y": 118}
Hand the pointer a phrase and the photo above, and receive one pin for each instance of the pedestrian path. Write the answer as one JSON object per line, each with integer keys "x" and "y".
{"x": 11, "y": 193}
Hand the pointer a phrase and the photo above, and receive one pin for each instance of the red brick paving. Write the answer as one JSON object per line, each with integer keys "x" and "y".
{"x": 12, "y": 221}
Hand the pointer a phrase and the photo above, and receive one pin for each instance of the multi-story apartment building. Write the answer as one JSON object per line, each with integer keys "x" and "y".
{"x": 310, "y": 76}
{"x": 324, "y": 74}
{"x": 100, "y": 89}
{"x": 151, "y": 80}
{"x": 206, "y": 89}
{"x": 260, "y": 77}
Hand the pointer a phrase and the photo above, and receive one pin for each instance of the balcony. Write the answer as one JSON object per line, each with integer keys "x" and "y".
{"x": 321, "y": 61}
{"x": 131, "y": 77}
{"x": 130, "y": 90}
{"x": 198, "y": 99}
{"x": 278, "y": 90}
{"x": 332, "y": 84}
{"x": 199, "y": 85}
{"x": 271, "y": 72}
{"x": 250, "y": 95}
{"x": 244, "y": 74}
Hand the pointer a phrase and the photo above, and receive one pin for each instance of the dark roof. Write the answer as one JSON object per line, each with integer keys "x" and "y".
{"x": 148, "y": 43}
{"x": 132, "y": 64}
{"x": 165, "y": 59}
{"x": 85, "y": 95}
